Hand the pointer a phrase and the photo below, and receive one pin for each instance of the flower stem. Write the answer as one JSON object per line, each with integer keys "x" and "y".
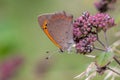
{"x": 99, "y": 49}
{"x": 105, "y": 35}
{"x": 115, "y": 58}
{"x": 113, "y": 70}
{"x": 100, "y": 41}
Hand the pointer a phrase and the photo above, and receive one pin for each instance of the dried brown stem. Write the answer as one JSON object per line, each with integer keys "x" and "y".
{"x": 113, "y": 70}
{"x": 115, "y": 58}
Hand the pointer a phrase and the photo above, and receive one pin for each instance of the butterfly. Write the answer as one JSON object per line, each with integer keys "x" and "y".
{"x": 59, "y": 29}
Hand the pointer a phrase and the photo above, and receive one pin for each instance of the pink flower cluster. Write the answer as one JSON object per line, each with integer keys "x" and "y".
{"x": 104, "y": 5}
{"x": 82, "y": 26}
{"x": 86, "y": 29}
{"x": 101, "y": 21}
{"x": 85, "y": 45}
{"x": 9, "y": 67}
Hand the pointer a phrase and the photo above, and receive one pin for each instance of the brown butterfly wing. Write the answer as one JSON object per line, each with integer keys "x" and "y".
{"x": 59, "y": 26}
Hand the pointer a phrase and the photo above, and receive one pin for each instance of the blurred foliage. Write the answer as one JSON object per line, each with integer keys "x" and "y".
{"x": 8, "y": 43}
{"x": 20, "y": 33}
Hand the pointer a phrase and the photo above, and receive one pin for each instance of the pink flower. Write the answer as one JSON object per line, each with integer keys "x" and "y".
{"x": 86, "y": 28}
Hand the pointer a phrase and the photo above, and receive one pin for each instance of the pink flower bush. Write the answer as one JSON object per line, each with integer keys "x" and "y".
{"x": 86, "y": 29}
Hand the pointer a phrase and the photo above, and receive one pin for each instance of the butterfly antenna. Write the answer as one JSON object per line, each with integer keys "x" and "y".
{"x": 51, "y": 53}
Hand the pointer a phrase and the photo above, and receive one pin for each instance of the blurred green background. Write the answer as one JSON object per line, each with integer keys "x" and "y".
{"x": 21, "y": 34}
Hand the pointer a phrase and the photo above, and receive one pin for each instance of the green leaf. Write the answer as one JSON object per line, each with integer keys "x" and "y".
{"x": 104, "y": 58}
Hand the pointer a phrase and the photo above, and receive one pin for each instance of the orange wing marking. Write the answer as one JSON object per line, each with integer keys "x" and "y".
{"x": 44, "y": 26}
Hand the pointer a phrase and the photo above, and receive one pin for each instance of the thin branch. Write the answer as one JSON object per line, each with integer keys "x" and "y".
{"x": 98, "y": 49}
{"x": 105, "y": 35}
{"x": 118, "y": 51}
{"x": 100, "y": 41}
{"x": 113, "y": 70}
{"x": 115, "y": 58}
